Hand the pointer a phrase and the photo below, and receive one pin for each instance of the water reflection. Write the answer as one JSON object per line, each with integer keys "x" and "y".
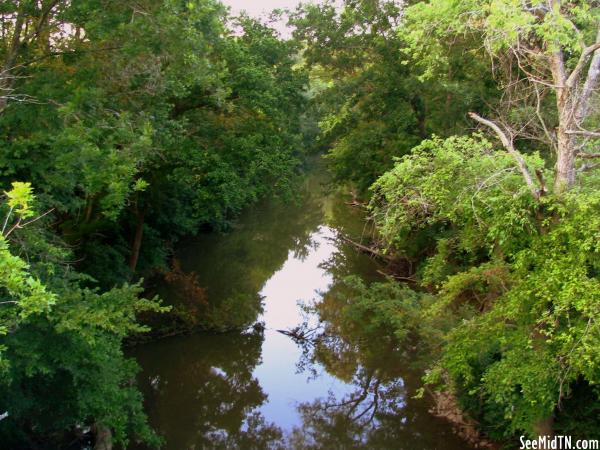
{"x": 379, "y": 412}
{"x": 355, "y": 420}
{"x": 300, "y": 281}
{"x": 203, "y": 394}
{"x": 262, "y": 389}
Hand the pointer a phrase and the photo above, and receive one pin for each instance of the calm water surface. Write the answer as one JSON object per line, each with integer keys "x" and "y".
{"x": 261, "y": 389}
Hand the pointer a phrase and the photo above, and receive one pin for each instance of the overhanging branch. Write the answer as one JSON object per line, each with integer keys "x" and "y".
{"x": 508, "y": 145}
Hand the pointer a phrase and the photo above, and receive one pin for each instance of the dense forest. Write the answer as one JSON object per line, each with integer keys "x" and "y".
{"x": 468, "y": 131}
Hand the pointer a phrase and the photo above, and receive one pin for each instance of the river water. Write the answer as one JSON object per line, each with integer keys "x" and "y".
{"x": 262, "y": 389}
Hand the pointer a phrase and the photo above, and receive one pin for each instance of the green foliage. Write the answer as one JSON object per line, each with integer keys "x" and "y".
{"x": 459, "y": 188}
{"x": 190, "y": 124}
{"x": 381, "y": 309}
{"x": 61, "y": 360}
{"x": 24, "y": 291}
{"x": 512, "y": 325}
{"x": 67, "y": 369}
{"x": 372, "y": 107}
{"x": 541, "y": 328}
{"x": 136, "y": 124}
{"x": 499, "y": 23}
{"x": 19, "y": 198}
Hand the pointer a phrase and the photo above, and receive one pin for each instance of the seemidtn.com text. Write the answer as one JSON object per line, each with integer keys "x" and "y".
{"x": 558, "y": 443}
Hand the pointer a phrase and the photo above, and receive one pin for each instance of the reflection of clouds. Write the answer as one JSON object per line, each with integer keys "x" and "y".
{"x": 310, "y": 271}
{"x": 301, "y": 278}
{"x": 300, "y": 281}
{"x": 218, "y": 372}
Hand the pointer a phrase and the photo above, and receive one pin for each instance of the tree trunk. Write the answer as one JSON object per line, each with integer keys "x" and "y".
{"x": 565, "y": 162}
{"x": 564, "y": 172}
{"x": 137, "y": 240}
{"x": 89, "y": 209}
{"x": 544, "y": 426}
{"x": 420, "y": 110}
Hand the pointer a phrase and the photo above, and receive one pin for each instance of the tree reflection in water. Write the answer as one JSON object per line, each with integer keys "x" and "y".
{"x": 380, "y": 411}
{"x": 353, "y": 421}
{"x": 204, "y": 396}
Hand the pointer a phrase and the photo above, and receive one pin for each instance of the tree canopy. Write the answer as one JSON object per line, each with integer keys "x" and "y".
{"x": 123, "y": 126}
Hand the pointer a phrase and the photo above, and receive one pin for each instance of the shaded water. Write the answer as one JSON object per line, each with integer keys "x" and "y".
{"x": 261, "y": 389}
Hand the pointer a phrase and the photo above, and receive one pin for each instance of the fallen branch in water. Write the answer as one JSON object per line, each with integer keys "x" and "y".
{"x": 293, "y": 334}
{"x": 370, "y": 250}
{"x": 299, "y": 333}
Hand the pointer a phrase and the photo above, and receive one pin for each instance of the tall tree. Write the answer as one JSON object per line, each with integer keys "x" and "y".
{"x": 546, "y": 51}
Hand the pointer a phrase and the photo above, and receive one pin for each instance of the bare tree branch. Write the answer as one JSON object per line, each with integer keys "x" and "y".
{"x": 19, "y": 224}
{"x": 588, "y": 155}
{"x": 574, "y": 77}
{"x": 508, "y": 145}
{"x": 590, "y": 84}
{"x": 538, "y": 113}
{"x": 590, "y": 134}
{"x": 586, "y": 167}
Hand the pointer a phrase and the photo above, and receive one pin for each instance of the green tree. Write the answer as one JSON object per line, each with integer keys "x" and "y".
{"x": 516, "y": 280}
{"x": 548, "y": 51}
{"x": 62, "y": 366}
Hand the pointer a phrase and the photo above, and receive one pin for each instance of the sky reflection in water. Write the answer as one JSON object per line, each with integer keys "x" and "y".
{"x": 301, "y": 280}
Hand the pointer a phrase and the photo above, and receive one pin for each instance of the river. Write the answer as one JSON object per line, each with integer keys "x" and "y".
{"x": 262, "y": 389}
